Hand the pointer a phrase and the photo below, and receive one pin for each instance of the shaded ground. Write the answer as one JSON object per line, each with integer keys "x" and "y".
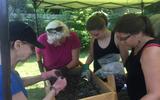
{"x": 36, "y": 94}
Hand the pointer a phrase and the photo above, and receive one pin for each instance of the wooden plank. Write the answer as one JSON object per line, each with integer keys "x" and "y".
{"x": 104, "y": 96}
{"x": 108, "y": 89}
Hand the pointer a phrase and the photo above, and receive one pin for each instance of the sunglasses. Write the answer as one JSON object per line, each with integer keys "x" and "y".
{"x": 52, "y": 30}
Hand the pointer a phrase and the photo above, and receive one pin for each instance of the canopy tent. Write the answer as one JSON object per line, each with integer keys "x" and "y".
{"x": 76, "y": 4}
{"x": 80, "y": 4}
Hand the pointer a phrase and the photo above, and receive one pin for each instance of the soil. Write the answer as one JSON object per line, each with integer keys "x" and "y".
{"x": 77, "y": 88}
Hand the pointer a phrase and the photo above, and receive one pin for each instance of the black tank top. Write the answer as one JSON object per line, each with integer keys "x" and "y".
{"x": 135, "y": 78}
{"x": 100, "y": 52}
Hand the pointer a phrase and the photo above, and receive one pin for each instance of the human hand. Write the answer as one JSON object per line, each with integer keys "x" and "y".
{"x": 53, "y": 73}
{"x": 59, "y": 85}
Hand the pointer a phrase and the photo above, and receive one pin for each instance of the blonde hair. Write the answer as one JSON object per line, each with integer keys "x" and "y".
{"x": 58, "y": 23}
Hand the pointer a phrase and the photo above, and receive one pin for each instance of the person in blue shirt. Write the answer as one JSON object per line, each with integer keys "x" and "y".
{"x": 23, "y": 40}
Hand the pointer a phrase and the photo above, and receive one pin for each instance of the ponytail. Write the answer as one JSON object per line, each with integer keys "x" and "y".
{"x": 148, "y": 29}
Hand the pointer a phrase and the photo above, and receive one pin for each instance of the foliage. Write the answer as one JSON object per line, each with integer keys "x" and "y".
{"x": 77, "y": 21}
{"x": 84, "y": 38}
{"x": 152, "y": 9}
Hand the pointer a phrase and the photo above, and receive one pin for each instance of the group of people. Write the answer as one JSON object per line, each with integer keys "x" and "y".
{"x": 59, "y": 48}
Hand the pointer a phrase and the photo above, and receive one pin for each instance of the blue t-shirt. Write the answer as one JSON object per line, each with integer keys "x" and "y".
{"x": 16, "y": 84}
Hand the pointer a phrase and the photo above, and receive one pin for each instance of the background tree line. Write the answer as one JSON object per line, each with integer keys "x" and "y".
{"x": 75, "y": 19}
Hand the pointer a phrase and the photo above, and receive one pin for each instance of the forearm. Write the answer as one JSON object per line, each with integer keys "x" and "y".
{"x": 75, "y": 59}
{"x": 72, "y": 64}
{"x": 124, "y": 54}
{"x": 50, "y": 95}
{"x": 31, "y": 80}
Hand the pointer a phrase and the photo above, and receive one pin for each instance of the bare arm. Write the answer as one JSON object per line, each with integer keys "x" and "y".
{"x": 19, "y": 96}
{"x": 75, "y": 58}
{"x": 31, "y": 80}
{"x": 90, "y": 56}
{"x": 123, "y": 52}
{"x": 150, "y": 61}
{"x": 50, "y": 95}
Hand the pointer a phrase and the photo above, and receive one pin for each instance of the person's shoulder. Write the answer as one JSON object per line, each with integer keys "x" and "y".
{"x": 42, "y": 37}
{"x": 73, "y": 33}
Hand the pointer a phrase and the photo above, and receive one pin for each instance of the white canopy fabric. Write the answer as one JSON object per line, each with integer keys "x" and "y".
{"x": 76, "y": 4}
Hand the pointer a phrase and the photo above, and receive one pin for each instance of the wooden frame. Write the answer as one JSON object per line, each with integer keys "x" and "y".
{"x": 108, "y": 89}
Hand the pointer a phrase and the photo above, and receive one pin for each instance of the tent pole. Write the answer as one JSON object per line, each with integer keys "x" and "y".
{"x": 36, "y": 18}
{"x": 5, "y": 49}
{"x": 142, "y": 7}
{"x": 37, "y": 29}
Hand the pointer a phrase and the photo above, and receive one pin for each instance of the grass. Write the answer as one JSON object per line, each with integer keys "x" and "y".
{"x": 30, "y": 68}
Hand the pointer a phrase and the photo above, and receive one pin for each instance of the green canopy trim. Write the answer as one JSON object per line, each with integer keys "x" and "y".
{"x": 76, "y": 4}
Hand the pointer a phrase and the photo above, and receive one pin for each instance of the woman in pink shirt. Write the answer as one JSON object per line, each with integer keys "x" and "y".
{"x": 61, "y": 47}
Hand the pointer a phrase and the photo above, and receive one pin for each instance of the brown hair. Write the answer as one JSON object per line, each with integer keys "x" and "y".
{"x": 96, "y": 22}
{"x": 133, "y": 24}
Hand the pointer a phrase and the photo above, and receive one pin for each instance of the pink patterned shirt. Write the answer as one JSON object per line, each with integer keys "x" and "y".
{"x": 60, "y": 56}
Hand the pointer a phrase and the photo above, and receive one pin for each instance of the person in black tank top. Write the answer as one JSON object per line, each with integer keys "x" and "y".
{"x": 99, "y": 52}
{"x": 105, "y": 50}
{"x": 143, "y": 64}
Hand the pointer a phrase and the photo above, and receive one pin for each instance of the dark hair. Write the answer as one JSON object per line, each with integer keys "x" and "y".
{"x": 102, "y": 15}
{"x": 133, "y": 24}
{"x": 97, "y": 21}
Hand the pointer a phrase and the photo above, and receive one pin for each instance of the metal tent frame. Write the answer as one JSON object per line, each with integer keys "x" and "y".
{"x": 5, "y": 49}
{"x": 76, "y": 4}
